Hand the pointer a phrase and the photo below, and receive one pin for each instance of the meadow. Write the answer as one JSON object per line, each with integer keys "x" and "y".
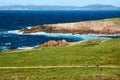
{"x": 90, "y": 53}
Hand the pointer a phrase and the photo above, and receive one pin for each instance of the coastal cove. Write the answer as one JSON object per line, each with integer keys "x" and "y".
{"x": 39, "y": 38}
{"x": 58, "y": 45}
{"x": 17, "y": 33}
{"x": 59, "y": 39}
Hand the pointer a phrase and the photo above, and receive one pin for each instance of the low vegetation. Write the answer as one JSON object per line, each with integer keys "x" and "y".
{"x": 90, "y": 53}
{"x": 60, "y": 74}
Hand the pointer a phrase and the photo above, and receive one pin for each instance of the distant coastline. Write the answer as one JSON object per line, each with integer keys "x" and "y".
{"x": 50, "y": 7}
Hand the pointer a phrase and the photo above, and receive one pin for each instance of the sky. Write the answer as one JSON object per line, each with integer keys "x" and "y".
{"x": 59, "y": 2}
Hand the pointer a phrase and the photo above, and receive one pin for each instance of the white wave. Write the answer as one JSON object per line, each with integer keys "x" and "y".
{"x": 53, "y": 34}
{"x": 61, "y": 34}
{"x": 68, "y": 34}
{"x": 27, "y": 48}
{"x": 74, "y": 36}
{"x": 28, "y": 27}
{"x": 24, "y": 48}
{"x": 7, "y": 43}
{"x": 15, "y": 32}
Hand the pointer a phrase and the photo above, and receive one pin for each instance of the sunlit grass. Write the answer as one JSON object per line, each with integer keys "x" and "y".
{"x": 61, "y": 74}
{"x": 90, "y": 53}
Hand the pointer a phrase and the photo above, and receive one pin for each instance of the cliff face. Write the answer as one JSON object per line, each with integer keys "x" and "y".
{"x": 107, "y": 26}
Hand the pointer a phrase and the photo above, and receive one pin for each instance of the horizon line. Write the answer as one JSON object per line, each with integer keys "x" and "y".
{"x": 57, "y": 5}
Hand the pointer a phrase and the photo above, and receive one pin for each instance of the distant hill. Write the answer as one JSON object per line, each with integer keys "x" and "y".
{"x": 47, "y": 7}
{"x": 101, "y": 7}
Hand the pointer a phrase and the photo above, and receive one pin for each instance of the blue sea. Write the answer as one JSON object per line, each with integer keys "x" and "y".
{"x": 13, "y": 21}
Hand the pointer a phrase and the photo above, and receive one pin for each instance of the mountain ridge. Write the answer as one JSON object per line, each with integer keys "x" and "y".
{"x": 50, "y": 7}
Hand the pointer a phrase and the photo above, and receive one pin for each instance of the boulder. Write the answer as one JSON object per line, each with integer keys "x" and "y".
{"x": 53, "y": 43}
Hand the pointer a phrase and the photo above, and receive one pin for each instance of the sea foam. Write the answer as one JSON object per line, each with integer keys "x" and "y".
{"x": 15, "y": 32}
{"x": 75, "y": 36}
{"x": 27, "y": 48}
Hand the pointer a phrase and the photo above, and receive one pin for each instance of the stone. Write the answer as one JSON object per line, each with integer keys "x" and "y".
{"x": 53, "y": 43}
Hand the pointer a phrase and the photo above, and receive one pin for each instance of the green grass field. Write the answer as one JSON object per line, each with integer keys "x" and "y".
{"x": 95, "y": 52}
{"x": 61, "y": 74}
{"x": 106, "y": 53}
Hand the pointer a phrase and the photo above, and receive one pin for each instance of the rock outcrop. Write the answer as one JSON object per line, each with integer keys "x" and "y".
{"x": 53, "y": 43}
{"x": 107, "y": 26}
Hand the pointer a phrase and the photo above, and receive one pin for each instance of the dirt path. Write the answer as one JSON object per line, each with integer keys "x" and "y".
{"x": 35, "y": 67}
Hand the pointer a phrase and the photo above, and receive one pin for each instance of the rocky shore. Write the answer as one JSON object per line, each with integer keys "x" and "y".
{"x": 53, "y": 43}
{"x": 49, "y": 44}
{"x": 106, "y": 26}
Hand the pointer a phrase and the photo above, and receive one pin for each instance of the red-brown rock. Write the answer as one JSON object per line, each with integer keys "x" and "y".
{"x": 53, "y": 43}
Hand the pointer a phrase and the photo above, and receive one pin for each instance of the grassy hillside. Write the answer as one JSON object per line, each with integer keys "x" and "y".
{"x": 90, "y": 53}
{"x": 95, "y": 52}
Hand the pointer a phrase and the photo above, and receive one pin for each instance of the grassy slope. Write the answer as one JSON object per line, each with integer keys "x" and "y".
{"x": 106, "y": 53}
{"x": 91, "y": 53}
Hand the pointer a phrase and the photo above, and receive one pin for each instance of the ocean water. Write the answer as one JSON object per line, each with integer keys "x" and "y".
{"x": 12, "y": 21}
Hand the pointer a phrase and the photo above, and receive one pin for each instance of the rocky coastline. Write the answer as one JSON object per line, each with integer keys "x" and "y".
{"x": 106, "y": 26}
{"x": 49, "y": 44}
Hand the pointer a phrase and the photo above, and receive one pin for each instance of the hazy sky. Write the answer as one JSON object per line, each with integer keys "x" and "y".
{"x": 59, "y": 2}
